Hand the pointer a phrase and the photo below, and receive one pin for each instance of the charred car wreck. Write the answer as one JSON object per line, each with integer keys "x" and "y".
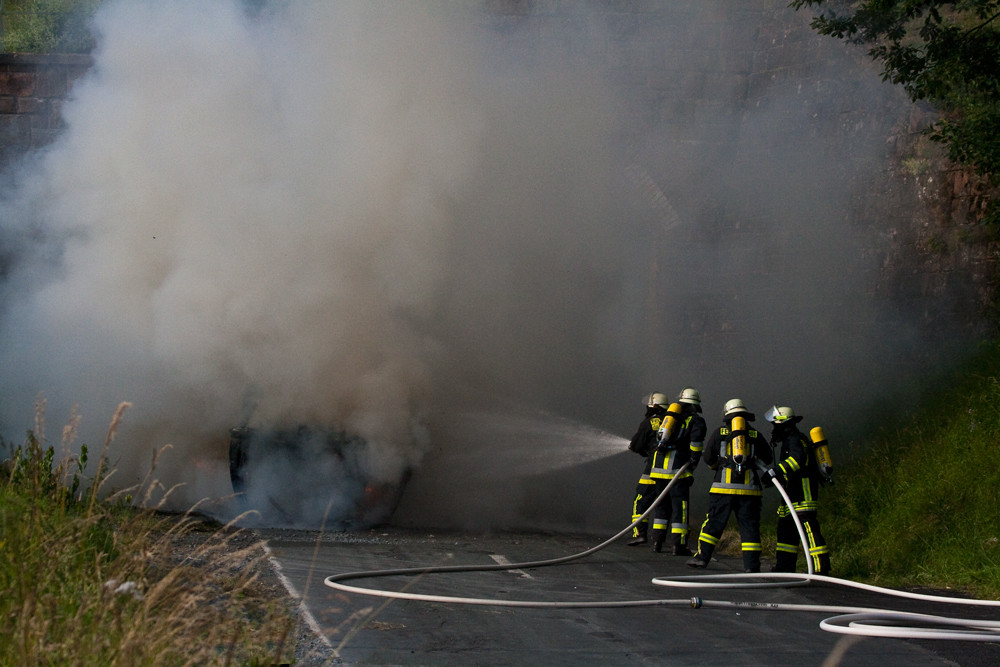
{"x": 308, "y": 477}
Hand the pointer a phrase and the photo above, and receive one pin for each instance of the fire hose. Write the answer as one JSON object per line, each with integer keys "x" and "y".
{"x": 865, "y": 621}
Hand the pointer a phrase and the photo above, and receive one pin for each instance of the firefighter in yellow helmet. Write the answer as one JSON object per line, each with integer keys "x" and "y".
{"x": 644, "y": 444}
{"x": 796, "y": 472}
{"x": 681, "y": 445}
{"x": 736, "y": 452}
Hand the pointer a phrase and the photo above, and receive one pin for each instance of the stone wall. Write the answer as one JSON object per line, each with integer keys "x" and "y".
{"x": 32, "y": 91}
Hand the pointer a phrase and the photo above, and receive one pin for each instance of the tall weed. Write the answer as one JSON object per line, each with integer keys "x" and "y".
{"x": 92, "y": 579}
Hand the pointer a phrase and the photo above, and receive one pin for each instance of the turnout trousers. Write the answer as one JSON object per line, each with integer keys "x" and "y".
{"x": 787, "y": 551}
{"x": 671, "y": 515}
{"x": 747, "y": 511}
{"x": 644, "y": 497}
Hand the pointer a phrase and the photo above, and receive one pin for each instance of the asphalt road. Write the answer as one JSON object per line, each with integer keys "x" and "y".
{"x": 367, "y": 630}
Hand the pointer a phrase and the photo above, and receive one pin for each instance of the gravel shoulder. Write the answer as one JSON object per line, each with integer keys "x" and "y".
{"x": 195, "y": 544}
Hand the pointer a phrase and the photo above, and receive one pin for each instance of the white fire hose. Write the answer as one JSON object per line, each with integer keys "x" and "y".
{"x": 850, "y": 620}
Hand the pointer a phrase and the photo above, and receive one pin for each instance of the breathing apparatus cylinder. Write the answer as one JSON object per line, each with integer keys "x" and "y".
{"x": 670, "y": 424}
{"x": 740, "y": 443}
{"x": 821, "y": 449}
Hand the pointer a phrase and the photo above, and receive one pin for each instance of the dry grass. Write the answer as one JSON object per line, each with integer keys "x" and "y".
{"x": 91, "y": 579}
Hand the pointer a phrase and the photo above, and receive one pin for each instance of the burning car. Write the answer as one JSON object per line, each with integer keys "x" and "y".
{"x": 309, "y": 477}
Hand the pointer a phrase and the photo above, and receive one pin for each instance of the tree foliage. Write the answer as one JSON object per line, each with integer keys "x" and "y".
{"x": 946, "y": 52}
{"x": 46, "y": 26}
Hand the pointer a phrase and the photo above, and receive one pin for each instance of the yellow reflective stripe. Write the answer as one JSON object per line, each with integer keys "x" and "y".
{"x": 810, "y": 536}
{"x": 735, "y": 485}
{"x": 752, "y": 546}
{"x": 665, "y": 466}
{"x": 709, "y": 539}
{"x": 658, "y": 469}
{"x": 735, "y": 491}
{"x": 792, "y": 464}
{"x": 815, "y": 551}
{"x": 808, "y": 506}
{"x": 807, "y": 496}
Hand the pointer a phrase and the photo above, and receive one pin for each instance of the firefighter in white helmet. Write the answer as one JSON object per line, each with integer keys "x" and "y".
{"x": 736, "y": 452}
{"x": 644, "y": 444}
{"x": 796, "y": 472}
{"x": 681, "y": 445}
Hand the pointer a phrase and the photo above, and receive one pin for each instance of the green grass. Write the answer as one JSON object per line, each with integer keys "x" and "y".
{"x": 916, "y": 505}
{"x": 96, "y": 580}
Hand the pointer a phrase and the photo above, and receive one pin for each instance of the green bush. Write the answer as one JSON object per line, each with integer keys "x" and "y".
{"x": 47, "y": 26}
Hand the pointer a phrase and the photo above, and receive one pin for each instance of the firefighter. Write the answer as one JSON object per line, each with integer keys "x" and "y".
{"x": 644, "y": 444}
{"x": 796, "y": 472}
{"x": 736, "y": 452}
{"x": 674, "y": 450}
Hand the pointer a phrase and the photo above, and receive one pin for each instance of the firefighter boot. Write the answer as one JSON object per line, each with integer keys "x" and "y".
{"x": 824, "y": 565}
{"x": 639, "y": 535}
{"x": 659, "y": 537}
{"x": 751, "y": 561}
{"x": 703, "y": 557}
{"x": 680, "y": 548}
{"x": 784, "y": 561}
{"x": 697, "y": 561}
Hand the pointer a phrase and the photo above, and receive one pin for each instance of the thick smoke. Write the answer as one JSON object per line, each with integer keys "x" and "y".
{"x": 407, "y": 220}
{"x": 247, "y": 218}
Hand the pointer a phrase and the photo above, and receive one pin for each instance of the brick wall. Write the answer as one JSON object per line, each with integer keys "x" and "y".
{"x": 32, "y": 91}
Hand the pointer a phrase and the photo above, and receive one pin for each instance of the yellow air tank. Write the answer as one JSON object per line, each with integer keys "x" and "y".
{"x": 822, "y": 451}
{"x": 671, "y": 423}
{"x": 740, "y": 442}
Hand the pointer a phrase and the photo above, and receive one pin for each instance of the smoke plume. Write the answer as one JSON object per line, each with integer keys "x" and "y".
{"x": 396, "y": 218}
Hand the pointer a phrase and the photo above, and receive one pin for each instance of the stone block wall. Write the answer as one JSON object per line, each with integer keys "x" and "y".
{"x": 32, "y": 91}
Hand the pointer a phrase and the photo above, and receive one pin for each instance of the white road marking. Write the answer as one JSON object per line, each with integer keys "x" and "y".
{"x": 310, "y": 620}
{"x": 503, "y": 560}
